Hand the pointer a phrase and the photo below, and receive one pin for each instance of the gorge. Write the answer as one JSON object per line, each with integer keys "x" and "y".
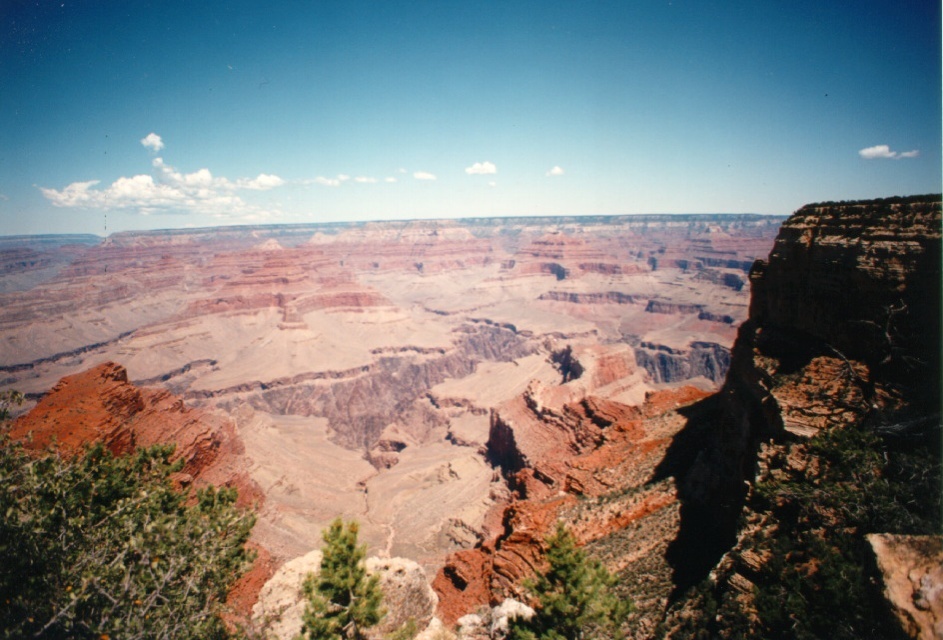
{"x": 458, "y": 386}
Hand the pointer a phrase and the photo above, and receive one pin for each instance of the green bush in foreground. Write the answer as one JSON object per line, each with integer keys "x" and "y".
{"x": 100, "y": 546}
{"x": 342, "y": 599}
{"x": 574, "y": 597}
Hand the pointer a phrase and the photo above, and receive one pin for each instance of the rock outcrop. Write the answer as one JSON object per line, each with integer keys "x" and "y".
{"x": 912, "y": 571}
{"x": 406, "y": 596}
{"x": 590, "y": 462}
{"x": 699, "y": 359}
{"x": 101, "y": 405}
{"x": 843, "y": 328}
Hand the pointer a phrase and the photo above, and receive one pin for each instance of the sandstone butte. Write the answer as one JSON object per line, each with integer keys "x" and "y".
{"x": 609, "y": 437}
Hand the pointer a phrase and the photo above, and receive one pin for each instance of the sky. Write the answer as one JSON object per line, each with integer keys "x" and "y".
{"x": 143, "y": 115}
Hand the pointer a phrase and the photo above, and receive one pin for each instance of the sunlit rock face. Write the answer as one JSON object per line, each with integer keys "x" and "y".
{"x": 365, "y": 367}
{"x": 100, "y": 406}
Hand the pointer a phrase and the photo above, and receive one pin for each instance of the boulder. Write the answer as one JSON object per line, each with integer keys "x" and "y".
{"x": 406, "y": 596}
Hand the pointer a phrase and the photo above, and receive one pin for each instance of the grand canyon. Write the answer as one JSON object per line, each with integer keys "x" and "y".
{"x": 459, "y": 386}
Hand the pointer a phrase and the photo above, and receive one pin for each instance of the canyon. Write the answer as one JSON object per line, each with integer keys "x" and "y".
{"x": 459, "y": 386}
{"x": 359, "y": 363}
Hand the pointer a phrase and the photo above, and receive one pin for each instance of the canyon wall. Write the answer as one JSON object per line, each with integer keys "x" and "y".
{"x": 843, "y": 328}
{"x": 844, "y": 331}
{"x": 365, "y": 366}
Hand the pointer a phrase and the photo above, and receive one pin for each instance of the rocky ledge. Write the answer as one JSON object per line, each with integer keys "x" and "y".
{"x": 100, "y": 405}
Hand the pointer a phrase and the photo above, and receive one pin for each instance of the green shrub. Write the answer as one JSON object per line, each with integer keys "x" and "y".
{"x": 820, "y": 581}
{"x": 99, "y": 546}
{"x": 573, "y": 598}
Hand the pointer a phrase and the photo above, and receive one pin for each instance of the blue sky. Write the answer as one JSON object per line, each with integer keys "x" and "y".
{"x": 141, "y": 115}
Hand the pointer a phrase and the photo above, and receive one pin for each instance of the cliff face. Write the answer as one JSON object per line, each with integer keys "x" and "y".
{"x": 827, "y": 423}
{"x": 843, "y": 328}
{"x": 859, "y": 281}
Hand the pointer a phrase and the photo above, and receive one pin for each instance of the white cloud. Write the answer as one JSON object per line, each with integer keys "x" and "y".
{"x": 327, "y": 182}
{"x": 167, "y": 191}
{"x": 331, "y": 182}
{"x": 153, "y": 142}
{"x": 424, "y": 175}
{"x": 492, "y": 184}
{"x": 884, "y": 151}
{"x": 556, "y": 171}
{"x": 390, "y": 179}
{"x": 481, "y": 168}
{"x": 365, "y": 179}
{"x": 74, "y": 195}
{"x": 262, "y": 182}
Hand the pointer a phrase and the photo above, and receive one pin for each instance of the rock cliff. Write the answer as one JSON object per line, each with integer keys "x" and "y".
{"x": 833, "y": 390}
{"x": 843, "y": 328}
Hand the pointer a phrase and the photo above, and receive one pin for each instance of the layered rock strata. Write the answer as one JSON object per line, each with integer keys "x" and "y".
{"x": 100, "y": 405}
{"x": 590, "y": 461}
{"x": 843, "y": 328}
{"x": 844, "y": 332}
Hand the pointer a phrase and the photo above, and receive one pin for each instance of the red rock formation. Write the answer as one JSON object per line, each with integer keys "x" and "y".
{"x": 100, "y": 405}
{"x": 553, "y": 455}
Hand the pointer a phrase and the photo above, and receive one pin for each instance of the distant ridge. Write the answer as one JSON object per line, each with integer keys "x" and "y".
{"x": 472, "y": 221}
{"x": 48, "y": 240}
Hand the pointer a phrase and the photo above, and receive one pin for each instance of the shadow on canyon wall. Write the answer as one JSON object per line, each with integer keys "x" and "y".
{"x": 709, "y": 514}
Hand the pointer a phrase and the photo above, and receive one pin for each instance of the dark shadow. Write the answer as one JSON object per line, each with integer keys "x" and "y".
{"x": 710, "y": 489}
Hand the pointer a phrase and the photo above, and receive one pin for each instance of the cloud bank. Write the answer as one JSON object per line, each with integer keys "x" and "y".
{"x": 884, "y": 151}
{"x": 167, "y": 191}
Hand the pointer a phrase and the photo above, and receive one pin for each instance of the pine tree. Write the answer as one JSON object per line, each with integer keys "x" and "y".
{"x": 573, "y": 598}
{"x": 342, "y": 599}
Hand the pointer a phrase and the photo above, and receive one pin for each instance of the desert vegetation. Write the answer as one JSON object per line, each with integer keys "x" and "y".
{"x": 814, "y": 574}
{"x": 573, "y": 598}
{"x": 342, "y": 600}
{"x": 103, "y": 546}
